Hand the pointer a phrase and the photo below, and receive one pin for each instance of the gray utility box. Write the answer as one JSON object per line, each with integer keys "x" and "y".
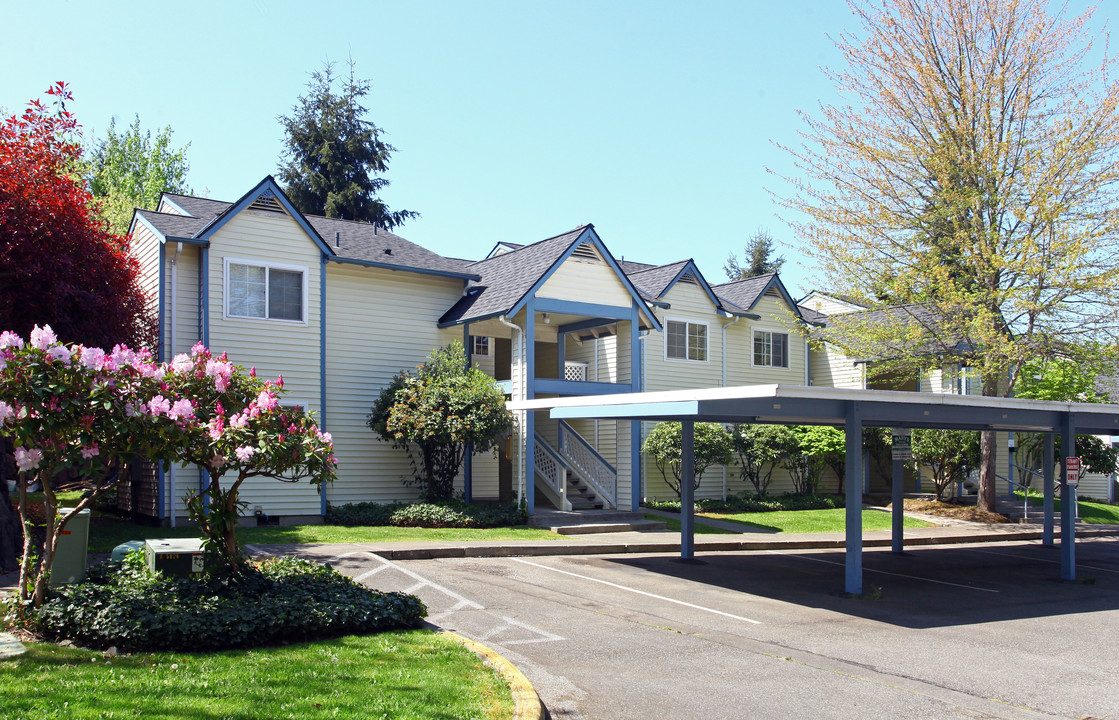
{"x": 68, "y": 565}
{"x": 175, "y": 556}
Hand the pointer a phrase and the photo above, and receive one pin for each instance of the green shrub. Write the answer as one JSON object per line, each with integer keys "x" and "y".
{"x": 448, "y": 514}
{"x": 283, "y": 600}
{"x": 749, "y": 503}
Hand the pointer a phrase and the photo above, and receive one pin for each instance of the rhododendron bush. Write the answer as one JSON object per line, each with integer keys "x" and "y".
{"x": 92, "y": 412}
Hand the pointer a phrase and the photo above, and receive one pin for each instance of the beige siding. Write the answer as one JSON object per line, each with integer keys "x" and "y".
{"x": 145, "y": 247}
{"x": 827, "y": 305}
{"x": 380, "y": 322}
{"x": 832, "y": 368}
{"x": 776, "y": 318}
{"x": 589, "y": 282}
{"x": 689, "y": 304}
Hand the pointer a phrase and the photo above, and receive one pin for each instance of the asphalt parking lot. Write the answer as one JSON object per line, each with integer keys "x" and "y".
{"x": 976, "y": 631}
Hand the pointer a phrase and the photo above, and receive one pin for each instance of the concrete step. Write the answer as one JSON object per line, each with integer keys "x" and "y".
{"x": 589, "y": 528}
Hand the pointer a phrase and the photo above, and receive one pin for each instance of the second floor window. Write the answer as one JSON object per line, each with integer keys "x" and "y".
{"x": 771, "y": 349}
{"x": 686, "y": 341}
{"x": 262, "y": 291}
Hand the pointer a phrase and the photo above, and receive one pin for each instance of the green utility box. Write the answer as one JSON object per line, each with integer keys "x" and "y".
{"x": 69, "y": 561}
{"x": 120, "y": 552}
{"x": 175, "y": 556}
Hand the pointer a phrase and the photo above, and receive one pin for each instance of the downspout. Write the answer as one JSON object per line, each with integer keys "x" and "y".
{"x": 171, "y": 348}
{"x": 520, "y": 460}
{"x": 725, "y": 326}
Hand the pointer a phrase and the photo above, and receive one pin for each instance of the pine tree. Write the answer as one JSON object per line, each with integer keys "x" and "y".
{"x": 757, "y": 257}
{"x": 334, "y": 158}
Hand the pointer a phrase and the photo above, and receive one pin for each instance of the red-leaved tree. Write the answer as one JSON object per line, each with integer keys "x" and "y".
{"x": 59, "y": 265}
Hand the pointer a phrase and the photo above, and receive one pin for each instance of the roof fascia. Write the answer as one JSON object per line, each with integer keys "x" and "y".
{"x": 775, "y": 281}
{"x": 702, "y": 283}
{"x": 138, "y": 218}
{"x": 471, "y": 321}
{"x": 268, "y": 184}
{"x": 404, "y": 268}
{"x": 164, "y": 199}
{"x": 590, "y": 235}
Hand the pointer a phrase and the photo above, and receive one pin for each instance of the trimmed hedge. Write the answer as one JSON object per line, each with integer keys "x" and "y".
{"x": 449, "y": 514}
{"x": 283, "y": 600}
{"x": 748, "y": 503}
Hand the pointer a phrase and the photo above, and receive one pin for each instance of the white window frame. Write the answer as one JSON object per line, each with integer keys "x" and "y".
{"x": 687, "y": 348}
{"x": 474, "y": 351}
{"x": 788, "y": 348}
{"x": 302, "y": 269}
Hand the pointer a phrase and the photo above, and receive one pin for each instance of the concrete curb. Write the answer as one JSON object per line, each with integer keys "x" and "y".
{"x": 526, "y": 702}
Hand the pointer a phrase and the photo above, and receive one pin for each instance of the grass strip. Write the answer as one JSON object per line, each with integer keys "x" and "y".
{"x": 400, "y": 675}
{"x": 813, "y": 521}
{"x": 673, "y": 525}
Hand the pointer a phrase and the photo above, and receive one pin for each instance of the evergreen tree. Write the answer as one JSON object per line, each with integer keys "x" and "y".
{"x": 334, "y": 157}
{"x": 757, "y": 258}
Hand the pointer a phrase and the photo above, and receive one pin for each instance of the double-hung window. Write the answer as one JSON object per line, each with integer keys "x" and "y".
{"x": 771, "y": 349}
{"x": 268, "y": 292}
{"x": 686, "y": 340}
{"x": 479, "y": 346}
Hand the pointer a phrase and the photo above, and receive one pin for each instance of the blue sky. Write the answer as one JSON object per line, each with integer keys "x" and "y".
{"x": 513, "y": 121}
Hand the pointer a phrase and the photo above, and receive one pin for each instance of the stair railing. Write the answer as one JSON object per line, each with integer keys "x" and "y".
{"x": 552, "y": 469}
{"x": 585, "y": 461}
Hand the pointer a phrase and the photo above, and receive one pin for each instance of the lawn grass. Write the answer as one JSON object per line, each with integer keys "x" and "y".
{"x": 673, "y": 525}
{"x": 1095, "y": 513}
{"x": 407, "y": 674}
{"x": 813, "y": 521}
{"x": 107, "y": 532}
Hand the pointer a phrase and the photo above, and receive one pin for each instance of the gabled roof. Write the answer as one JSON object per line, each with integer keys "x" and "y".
{"x": 746, "y": 293}
{"x": 657, "y": 281}
{"x": 344, "y": 241}
{"x": 508, "y": 279}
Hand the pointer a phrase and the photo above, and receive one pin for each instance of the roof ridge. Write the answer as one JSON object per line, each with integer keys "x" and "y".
{"x": 514, "y": 251}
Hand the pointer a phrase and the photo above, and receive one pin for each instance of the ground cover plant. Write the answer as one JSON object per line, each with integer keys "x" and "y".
{"x": 402, "y": 675}
{"x": 1095, "y": 512}
{"x": 813, "y": 521}
{"x": 749, "y": 503}
{"x": 444, "y": 514}
{"x": 279, "y": 601}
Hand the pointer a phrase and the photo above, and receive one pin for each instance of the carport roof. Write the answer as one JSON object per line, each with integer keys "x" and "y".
{"x": 795, "y": 404}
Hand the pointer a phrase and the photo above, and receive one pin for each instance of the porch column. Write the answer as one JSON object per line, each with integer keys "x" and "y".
{"x": 1068, "y": 508}
{"x": 897, "y": 486}
{"x": 687, "y": 489}
{"x": 635, "y": 370}
{"x": 530, "y": 416}
{"x": 853, "y": 429}
{"x": 1047, "y": 489}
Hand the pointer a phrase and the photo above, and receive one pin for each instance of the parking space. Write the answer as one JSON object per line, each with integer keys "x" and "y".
{"x": 962, "y": 631}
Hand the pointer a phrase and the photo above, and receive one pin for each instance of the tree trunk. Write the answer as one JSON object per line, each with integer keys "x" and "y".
{"x": 987, "y": 446}
{"x": 11, "y": 532}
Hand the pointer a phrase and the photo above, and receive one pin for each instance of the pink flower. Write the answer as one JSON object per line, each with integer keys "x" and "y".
{"x": 6, "y": 411}
{"x": 198, "y": 349}
{"x": 252, "y": 371}
{"x": 217, "y": 462}
{"x": 28, "y": 459}
{"x": 221, "y": 383}
{"x": 182, "y": 363}
{"x": 181, "y": 409}
{"x": 266, "y": 400}
{"x": 280, "y": 381}
{"x": 122, "y": 355}
{"x": 43, "y": 337}
{"x": 10, "y": 339}
{"x": 93, "y": 358}
{"x": 239, "y": 420}
{"x": 60, "y": 352}
{"x": 159, "y": 406}
{"x": 91, "y": 450}
{"x": 244, "y": 454}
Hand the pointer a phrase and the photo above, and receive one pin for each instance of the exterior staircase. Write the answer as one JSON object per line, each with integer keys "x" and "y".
{"x": 584, "y": 522}
{"x": 580, "y": 495}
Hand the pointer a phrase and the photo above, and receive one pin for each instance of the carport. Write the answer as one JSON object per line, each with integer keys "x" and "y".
{"x": 852, "y": 410}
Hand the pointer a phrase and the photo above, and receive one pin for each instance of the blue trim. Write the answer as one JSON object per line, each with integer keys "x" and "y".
{"x": 635, "y": 426}
{"x": 162, "y": 490}
{"x": 530, "y": 416}
{"x": 1047, "y": 490}
{"x": 204, "y": 278}
{"x": 583, "y": 444}
{"x": 551, "y": 386}
{"x": 268, "y": 184}
{"x": 473, "y": 319}
{"x": 588, "y": 235}
{"x": 687, "y": 489}
{"x": 1068, "y": 506}
{"x": 584, "y": 325}
{"x": 162, "y": 305}
{"x": 659, "y": 410}
{"x": 407, "y": 268}
{"x": 775, "y": 281}
{"x": 572, "y": 307}
{"x": 322, "y": 367}
{"x": 164, "y": 199}
{"x": 691, "y": 266}
{"x": 561, "y": 352}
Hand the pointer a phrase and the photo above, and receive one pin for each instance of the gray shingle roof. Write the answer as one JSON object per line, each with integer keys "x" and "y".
{"x": 364, "y": 242}
{"x": 173, "y": 225}
{"x": 630, "y": 267}
{"x": 198, "y": 207}
{"x": 743, "y": 293}
{"x": 653, "y": 281}
{"x": 506, "y": 278}
{"x": 848, "y": 329}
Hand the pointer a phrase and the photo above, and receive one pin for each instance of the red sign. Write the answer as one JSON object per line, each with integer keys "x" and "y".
{"x": 1072, "y": 470}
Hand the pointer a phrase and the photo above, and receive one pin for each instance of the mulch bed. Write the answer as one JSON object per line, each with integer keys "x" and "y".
{"x": 958, "y": 511}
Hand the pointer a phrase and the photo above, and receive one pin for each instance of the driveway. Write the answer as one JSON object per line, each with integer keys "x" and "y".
{"x": 977, "y": 631}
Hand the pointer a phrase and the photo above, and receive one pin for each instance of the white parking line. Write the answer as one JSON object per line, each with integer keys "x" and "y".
{"x": 511, "y": 623}
{"x": 639, "y": 592}
{"x": 882, "y": 572}
{"x": 1040, "y": 559}
{"x": 421, "y": 581}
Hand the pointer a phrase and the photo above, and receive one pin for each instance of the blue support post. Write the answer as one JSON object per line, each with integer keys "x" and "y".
{"x": 897, "y": 486}
{"x": 1068, "y": 504}
{"x": 853, "y": 429}
{"x": 687, "y": 490}
{"x": 1047, "y": 490}
{"x": 530, "y": 416}
{"x": 635, "y": 426}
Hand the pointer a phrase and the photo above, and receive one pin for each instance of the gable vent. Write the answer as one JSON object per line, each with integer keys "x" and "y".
{"x": 267, "y": 203}
{"x": 586, "y": 251}
{"x": 772, "y": 292}
{"x": 688, "y": 278}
